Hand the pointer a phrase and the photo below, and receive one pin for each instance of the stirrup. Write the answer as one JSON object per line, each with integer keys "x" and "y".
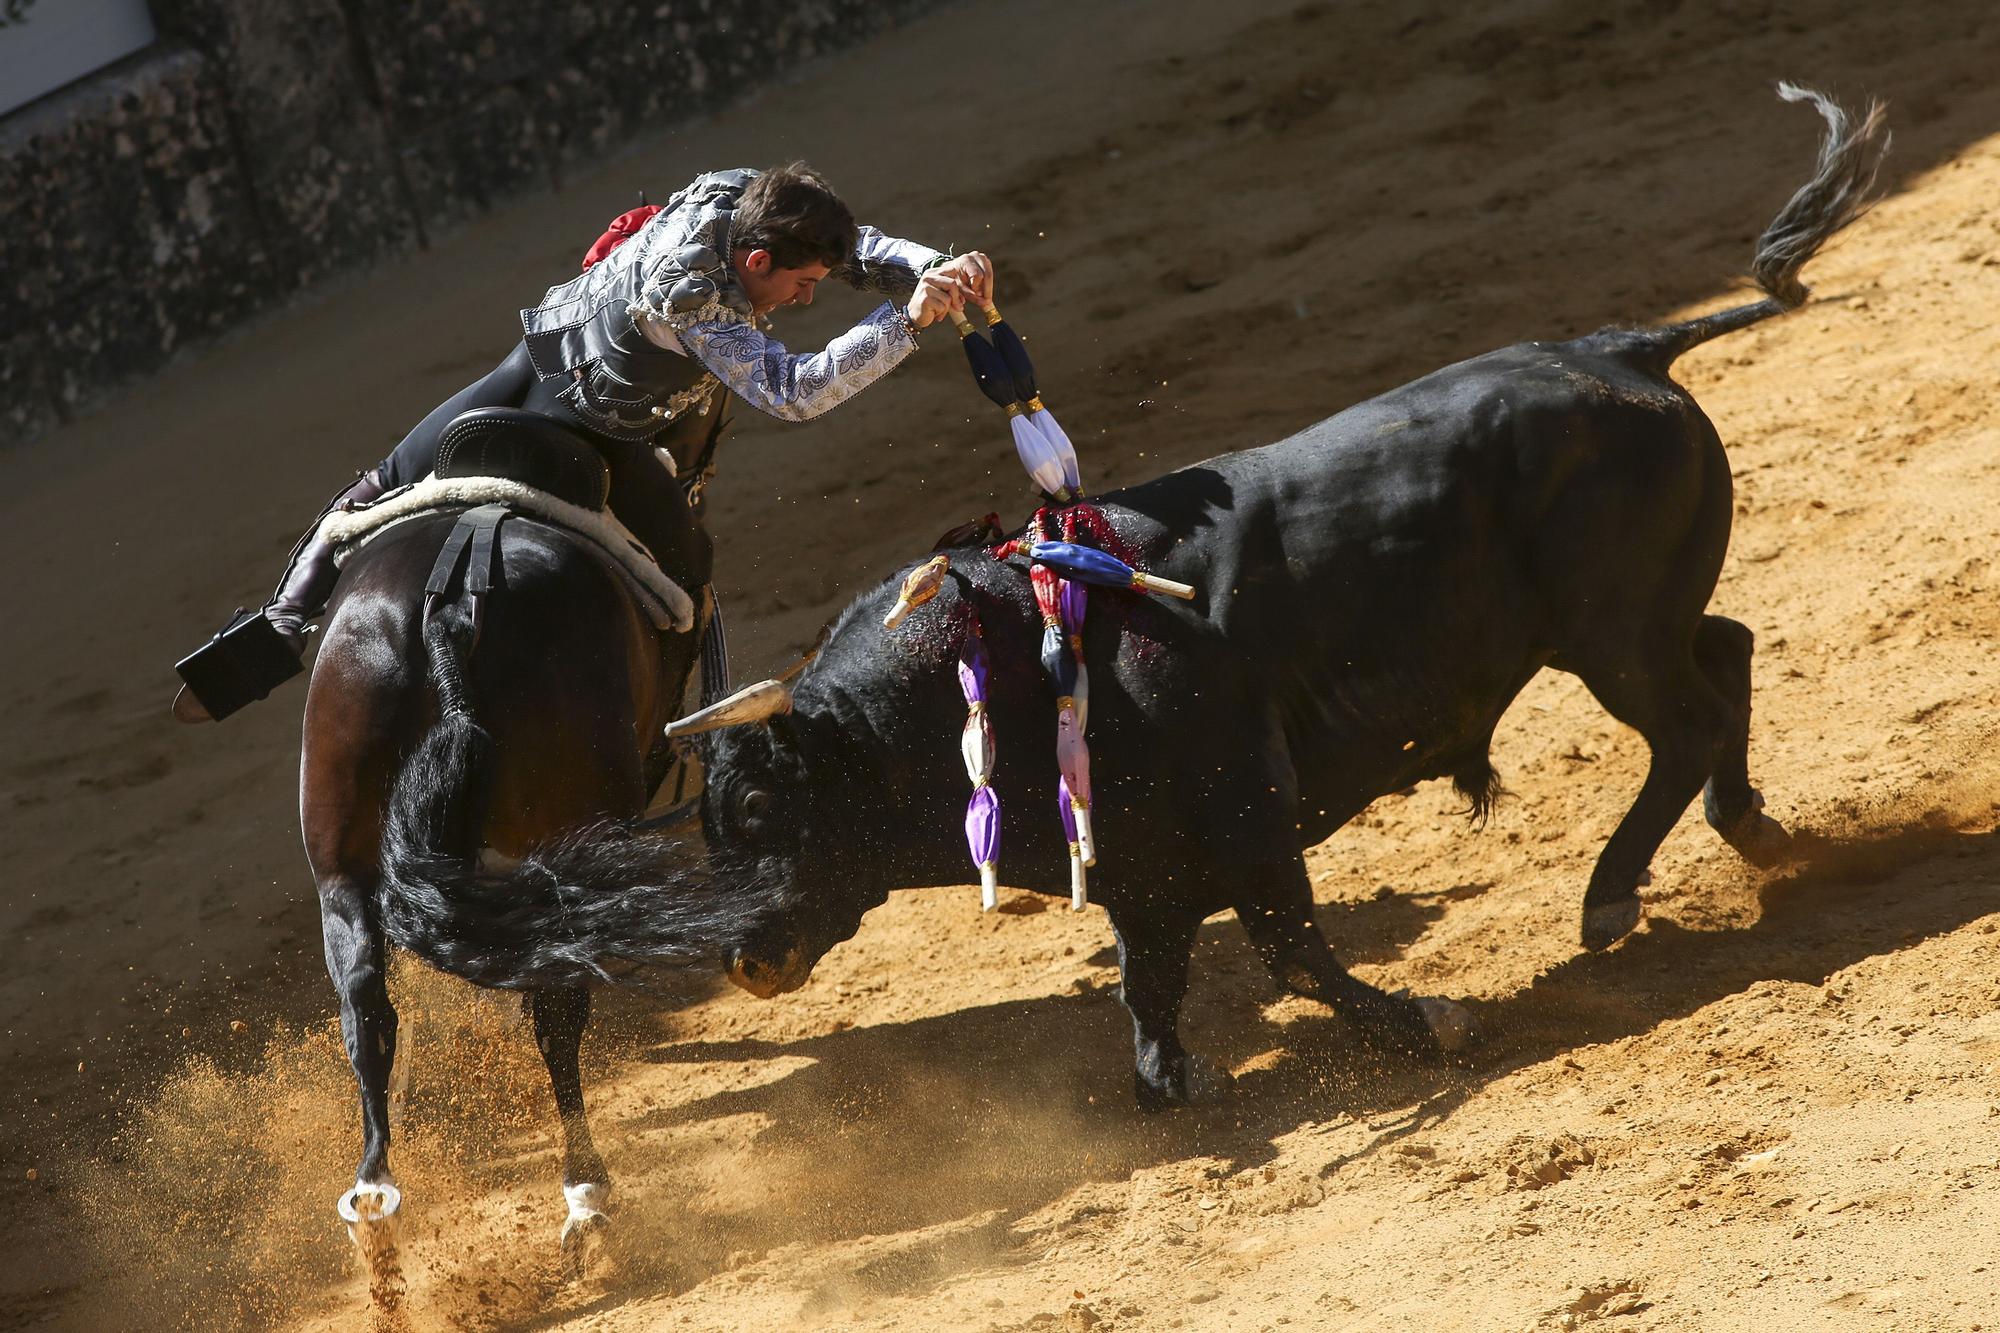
{"x": 247, "y": 659}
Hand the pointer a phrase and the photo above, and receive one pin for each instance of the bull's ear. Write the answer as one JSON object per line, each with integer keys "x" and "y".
{"x": 753, "y": 703}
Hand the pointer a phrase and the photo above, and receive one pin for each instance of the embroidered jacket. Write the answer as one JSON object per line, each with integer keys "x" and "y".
{"x": 672, "y": 282}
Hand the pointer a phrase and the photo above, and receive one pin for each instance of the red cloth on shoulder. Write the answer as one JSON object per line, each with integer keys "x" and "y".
{"x": 622, "y": 229}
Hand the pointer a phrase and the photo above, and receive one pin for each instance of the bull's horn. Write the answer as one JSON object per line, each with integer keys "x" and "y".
{"x": 753, "y": 703}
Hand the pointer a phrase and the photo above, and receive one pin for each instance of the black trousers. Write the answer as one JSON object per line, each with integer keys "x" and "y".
{"x": 644, "y": 496}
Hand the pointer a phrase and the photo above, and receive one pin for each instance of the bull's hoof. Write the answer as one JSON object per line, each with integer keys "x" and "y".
{"x": 1761, "y": 840}
{"x": 586, "y": 1232}
{"x": 1450, "y": 1023}
{"x": 1756, "y": 837}
{"x": 1607, "y": 923}
{"x": 373, "y": 1214}
{"x": 1198, "y": 1082}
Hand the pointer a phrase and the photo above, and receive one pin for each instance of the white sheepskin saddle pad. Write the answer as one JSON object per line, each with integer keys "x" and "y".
{"x": 665, "y": 600}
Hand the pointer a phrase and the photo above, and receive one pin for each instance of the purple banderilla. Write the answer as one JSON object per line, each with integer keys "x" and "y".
{"x": 982, "y": 812}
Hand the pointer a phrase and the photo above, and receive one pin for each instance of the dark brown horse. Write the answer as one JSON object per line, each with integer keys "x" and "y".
{"x": 425, "y": 751}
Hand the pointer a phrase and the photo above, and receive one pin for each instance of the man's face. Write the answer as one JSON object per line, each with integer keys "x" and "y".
{"x": 769, "y": 286}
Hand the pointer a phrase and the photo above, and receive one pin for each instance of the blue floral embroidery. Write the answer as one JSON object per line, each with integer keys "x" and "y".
{"x": 763, "y": 372}
{"x": 887, "y": 264}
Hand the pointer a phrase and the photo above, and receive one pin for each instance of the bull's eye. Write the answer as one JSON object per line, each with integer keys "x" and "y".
{"x": 755, "y": 803}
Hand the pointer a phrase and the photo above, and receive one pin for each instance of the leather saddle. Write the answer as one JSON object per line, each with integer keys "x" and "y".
{"x": 527, "y": 447}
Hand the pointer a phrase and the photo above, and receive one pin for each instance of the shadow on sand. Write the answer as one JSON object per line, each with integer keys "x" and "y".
{"x": 892, "y": 1129}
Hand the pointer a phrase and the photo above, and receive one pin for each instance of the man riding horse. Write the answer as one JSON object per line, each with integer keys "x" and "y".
{"x": 643, "y": 351}
{"x": 627, "y": 363}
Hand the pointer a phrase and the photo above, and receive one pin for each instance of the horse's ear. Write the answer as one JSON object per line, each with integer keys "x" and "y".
{"x": 753, "y": 703}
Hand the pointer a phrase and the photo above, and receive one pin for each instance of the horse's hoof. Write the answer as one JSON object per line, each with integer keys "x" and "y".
{"x": 1608, "y": 923}
{"x": 1450, "y": 1023}
{"x": 586, "y": 1232}
{"x": 371, "y": 1205}
{"x": 373, "y": 1214}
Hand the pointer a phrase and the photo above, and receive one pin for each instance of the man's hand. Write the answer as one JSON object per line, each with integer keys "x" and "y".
{"x": 939, "y": 292}
{"x": 975, "y": 271}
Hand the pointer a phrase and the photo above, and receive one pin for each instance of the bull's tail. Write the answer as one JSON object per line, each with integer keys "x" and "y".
{"x": 1841, "y": 190}
{"x": 600, "y": 896}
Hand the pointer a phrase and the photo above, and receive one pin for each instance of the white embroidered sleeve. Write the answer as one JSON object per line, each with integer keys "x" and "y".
{"x": 758, "y": 369}
{"x": 887, "y": 265}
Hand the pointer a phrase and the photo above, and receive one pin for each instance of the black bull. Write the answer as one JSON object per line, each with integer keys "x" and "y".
{"x": 1376, "y": 590}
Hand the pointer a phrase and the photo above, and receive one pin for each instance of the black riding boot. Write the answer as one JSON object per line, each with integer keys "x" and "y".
{"x": 259, "y": 651}
{"x": 309, "y": 577}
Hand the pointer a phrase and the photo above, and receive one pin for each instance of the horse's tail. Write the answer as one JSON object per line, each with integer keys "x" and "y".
{"x": 600, "y": 895}
{"x": 1842, "y": 188}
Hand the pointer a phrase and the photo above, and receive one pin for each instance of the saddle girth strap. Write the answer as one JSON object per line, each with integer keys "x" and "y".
{"x": 475, "y": 539}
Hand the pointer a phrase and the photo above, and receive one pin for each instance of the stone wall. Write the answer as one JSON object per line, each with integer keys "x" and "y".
{"x": 262, "y": 145}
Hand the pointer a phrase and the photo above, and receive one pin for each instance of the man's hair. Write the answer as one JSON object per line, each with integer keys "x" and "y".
{"x": 792, "y": 212}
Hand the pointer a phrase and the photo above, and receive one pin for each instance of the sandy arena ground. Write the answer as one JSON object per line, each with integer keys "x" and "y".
{"x": 1776, "y": 1106}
